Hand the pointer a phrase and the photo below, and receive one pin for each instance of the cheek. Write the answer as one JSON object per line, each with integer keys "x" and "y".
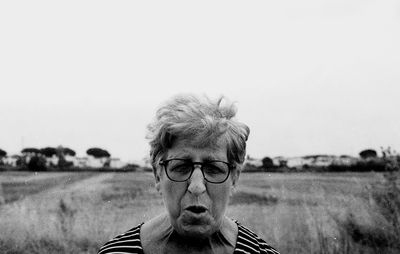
{"x": 172, "y": 195}
{"x": 220, "y": 197}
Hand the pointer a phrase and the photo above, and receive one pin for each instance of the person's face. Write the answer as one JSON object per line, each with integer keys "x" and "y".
{"x": 195, "y": 207}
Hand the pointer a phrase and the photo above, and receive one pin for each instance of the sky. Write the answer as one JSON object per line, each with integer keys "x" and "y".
{"x": 308, "y": 77}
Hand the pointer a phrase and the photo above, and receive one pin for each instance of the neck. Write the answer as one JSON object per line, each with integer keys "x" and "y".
{"x": 158, "y": 236}
{"x": 215, "y": 243}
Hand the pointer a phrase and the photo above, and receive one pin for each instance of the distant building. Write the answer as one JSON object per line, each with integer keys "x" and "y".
{"x": 252, "y": 164}
{"x": 319, "y": 161}
{"x": 52, "y": 161}
{"x": 345, "y": 160}
{"x": 82, "y": 162}
{"x": 72, "y": 159}
{"x": 93, "y": 162}
{"x": 117, "y": 163}
{"x": 253, "y": 161}
{"x": 296, "y": 162}
{"x": 280, "y": 161}
{"x": 11, "y": 160}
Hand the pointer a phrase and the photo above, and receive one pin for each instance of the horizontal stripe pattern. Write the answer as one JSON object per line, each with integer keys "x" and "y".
{"x": 129, "y": 243}
{"x": 126, "y": 243}
{"x": 250, "y": 243}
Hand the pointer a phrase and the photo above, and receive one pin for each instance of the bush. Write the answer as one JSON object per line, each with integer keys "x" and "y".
{"x": 368, "y": 153}
{"x": 37, "y": 163}
{"x": 267, "y": 163}
{"x": 377, "y": 165}
{"x": 248, "y": 167}
{"x": 382, "y": 236}
{"x": 340, "y": 168}
{"x": 131, "y": 167}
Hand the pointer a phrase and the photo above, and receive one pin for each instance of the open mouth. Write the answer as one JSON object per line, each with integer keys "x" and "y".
{"x": 196, "y": 209}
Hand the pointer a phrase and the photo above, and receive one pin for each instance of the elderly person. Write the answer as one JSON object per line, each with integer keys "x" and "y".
{"x": 197, "y": 151}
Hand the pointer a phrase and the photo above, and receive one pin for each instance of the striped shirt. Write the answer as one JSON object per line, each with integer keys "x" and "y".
{"x": 129, "y": 243}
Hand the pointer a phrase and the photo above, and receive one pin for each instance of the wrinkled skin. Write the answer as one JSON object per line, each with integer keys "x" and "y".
{"x": 178, "y": 196}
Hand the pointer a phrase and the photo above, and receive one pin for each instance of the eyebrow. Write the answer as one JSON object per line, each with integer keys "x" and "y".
{"x": 188, "y": 157}
{"x": 210, "y": 158}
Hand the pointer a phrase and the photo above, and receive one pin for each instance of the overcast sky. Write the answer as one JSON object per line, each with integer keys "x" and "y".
{"x": 309, "y": 77}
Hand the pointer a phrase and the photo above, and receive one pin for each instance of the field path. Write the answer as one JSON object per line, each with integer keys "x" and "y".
{"x": 29, "y": 176}
{"x": 91, "y": 186}
{"x": 92, "y": 183}
{"x": 87, "y": 190}
{"x": 68, "y": 209}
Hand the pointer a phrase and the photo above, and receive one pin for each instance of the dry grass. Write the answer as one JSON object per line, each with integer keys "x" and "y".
{"x": 296, "y": 213}
{"x": 17, "y": 185}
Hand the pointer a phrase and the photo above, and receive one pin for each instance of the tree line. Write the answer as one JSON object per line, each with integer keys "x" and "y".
{"x": 368, "y": 161}
{"x": 35, "y": 159}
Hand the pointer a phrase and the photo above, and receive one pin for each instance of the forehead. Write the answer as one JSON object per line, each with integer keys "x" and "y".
{"x": 185, "y": 150}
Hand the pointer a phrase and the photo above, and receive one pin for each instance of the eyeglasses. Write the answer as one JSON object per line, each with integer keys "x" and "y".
{"x": 180, "y": 170}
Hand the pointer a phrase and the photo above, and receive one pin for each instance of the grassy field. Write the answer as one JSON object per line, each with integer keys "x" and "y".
{"x": 77, "y": 212}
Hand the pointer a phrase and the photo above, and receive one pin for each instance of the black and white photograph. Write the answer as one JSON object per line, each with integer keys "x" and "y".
{"x": 200, "y": 127}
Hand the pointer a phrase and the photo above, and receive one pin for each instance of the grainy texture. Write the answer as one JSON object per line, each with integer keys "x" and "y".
{"x": 296, "y": 213}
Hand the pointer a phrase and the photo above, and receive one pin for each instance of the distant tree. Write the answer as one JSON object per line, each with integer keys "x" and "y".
{"x": 267, "y": 163}
{"x": 101, "y": 154}
{"x": 62, "y": 162}
{"x": 27, "y": 154}
{"x": 2, "y": 153}
{"x": 48, "y": 151}
{"x": 30, "y": 150}
{"x": 37, "y": 163}
{"x": 19, "y": 159}
{"x": 98, "y": 152}
{"x": 60, "y": 152}
{"x": 282, "y": 163}
{"x": 68, "y": 151}
{"x": 368, "y": 153}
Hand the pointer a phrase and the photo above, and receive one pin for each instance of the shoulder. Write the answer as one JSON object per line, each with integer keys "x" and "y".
{"x": 250, "y": 242}
{"x": 128, "y": 242}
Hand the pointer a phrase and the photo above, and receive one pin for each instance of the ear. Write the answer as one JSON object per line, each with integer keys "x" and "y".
{"x": 235, "y": 176}
{"x": 158, "y": 179}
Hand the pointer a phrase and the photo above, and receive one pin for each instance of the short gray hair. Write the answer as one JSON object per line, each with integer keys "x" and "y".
{"x": 201, "y": 121}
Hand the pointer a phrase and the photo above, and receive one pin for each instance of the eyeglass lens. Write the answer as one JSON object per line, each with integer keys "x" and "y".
{"x": 181, "y": 170}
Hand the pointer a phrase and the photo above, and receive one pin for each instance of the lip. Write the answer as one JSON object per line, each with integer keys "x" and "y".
{"x": 196, "y": 209}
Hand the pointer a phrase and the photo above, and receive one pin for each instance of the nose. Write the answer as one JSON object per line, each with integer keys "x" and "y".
{"x": 197, "y": 182}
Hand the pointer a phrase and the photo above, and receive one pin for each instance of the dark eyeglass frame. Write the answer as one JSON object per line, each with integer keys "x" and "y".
{"x": 164, "y": 163}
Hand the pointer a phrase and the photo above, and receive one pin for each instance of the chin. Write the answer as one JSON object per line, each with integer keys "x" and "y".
{"x": 197, "y": 232}
{"x": 198, "y": 228}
